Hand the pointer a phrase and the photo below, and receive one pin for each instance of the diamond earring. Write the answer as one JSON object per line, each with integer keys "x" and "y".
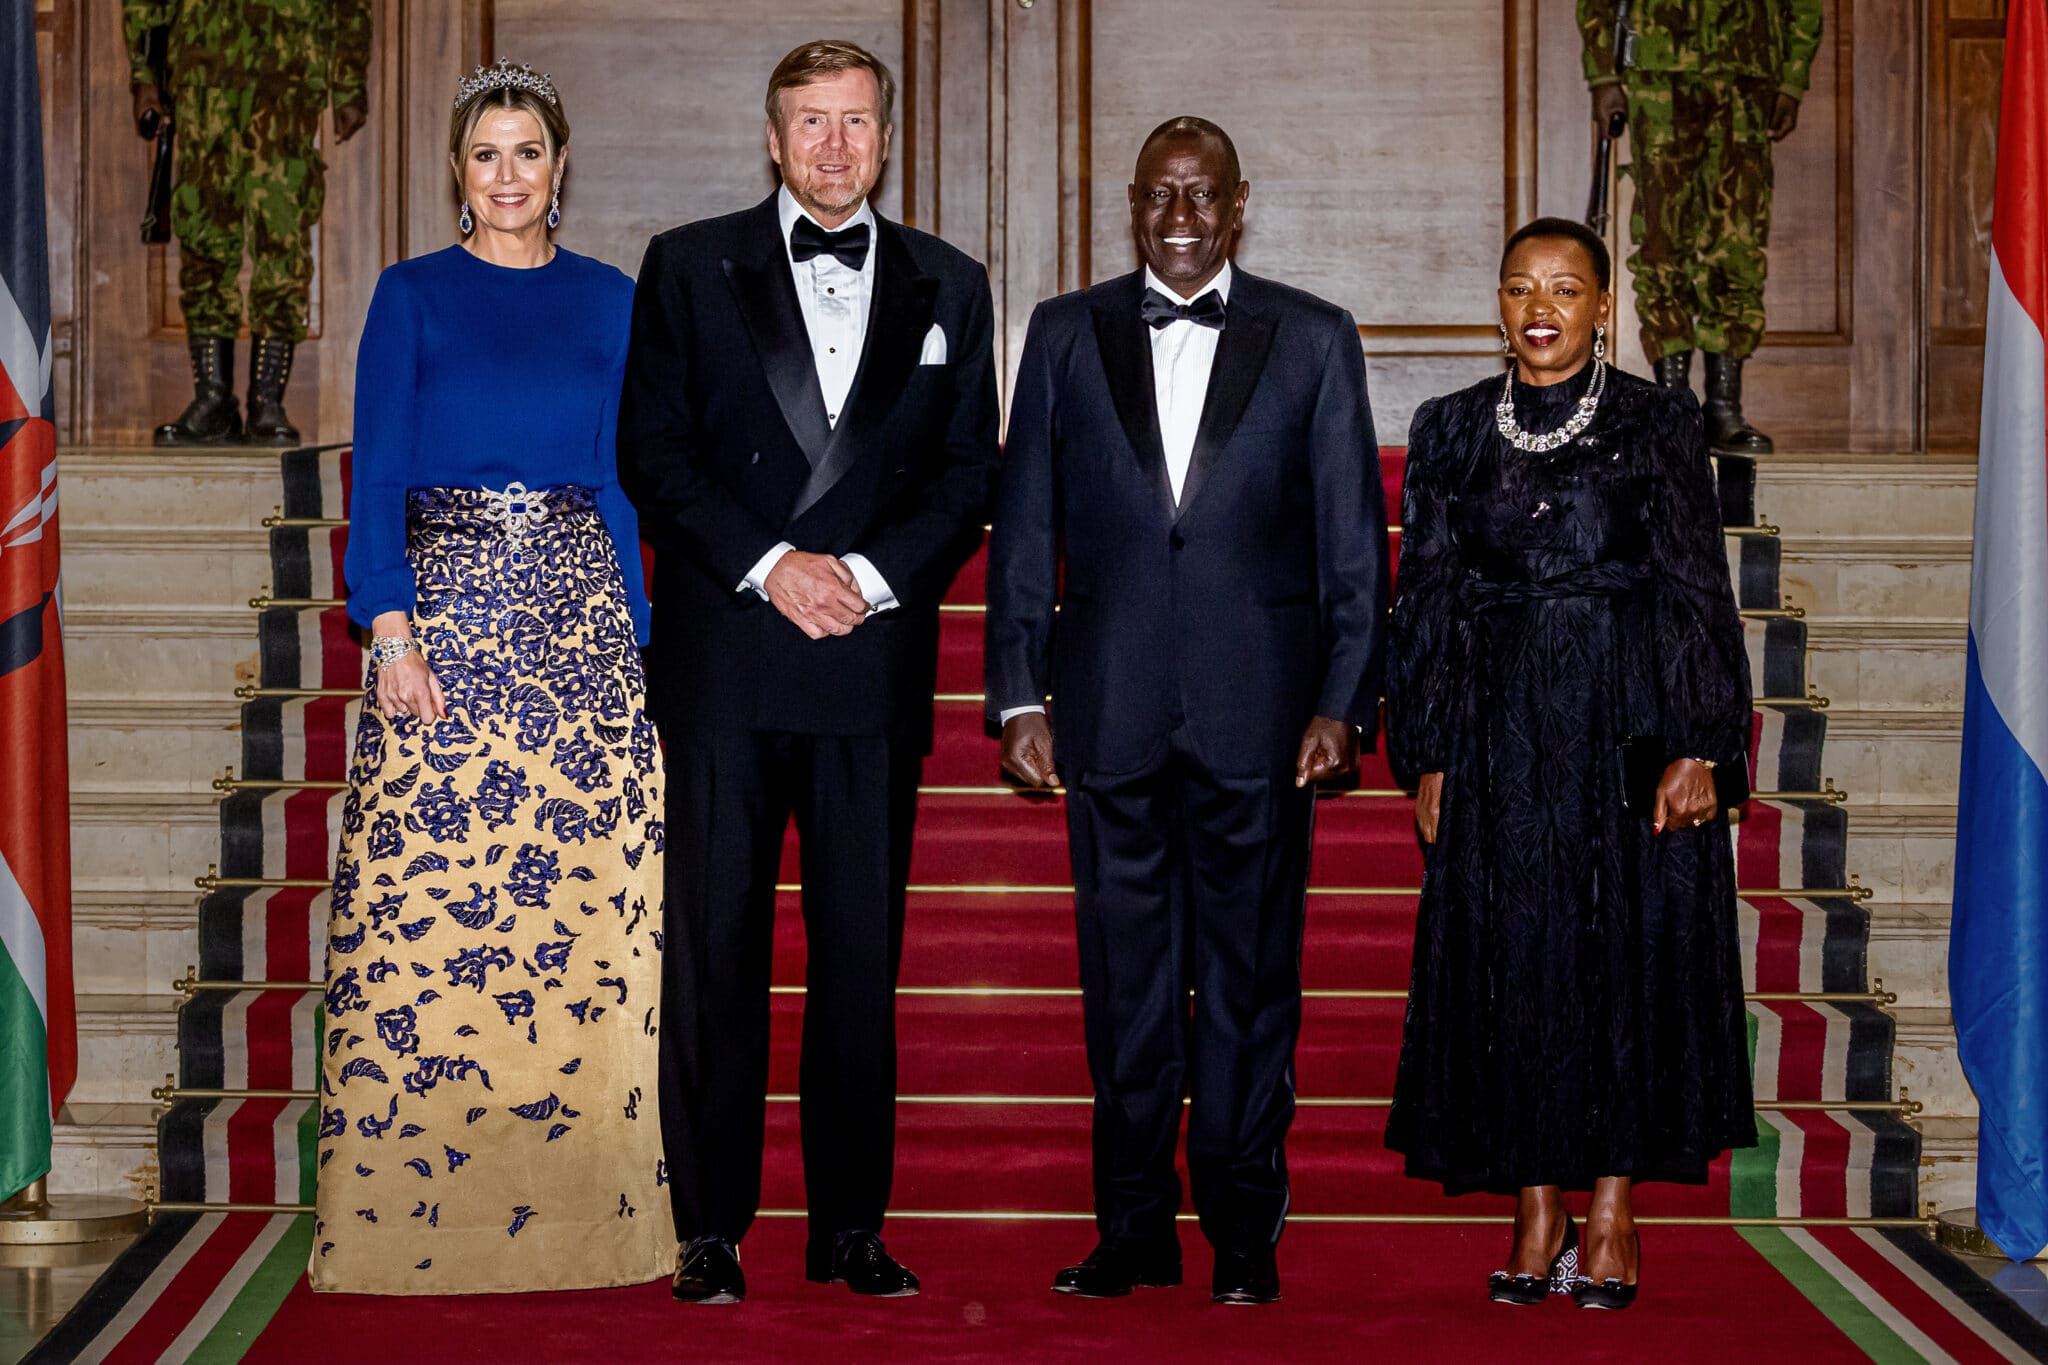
{"x": 465, "y": 222}
{"x": 1599, "y": 343}
{"x": 1505, "y": 347}
{"x": 555, "y": 210}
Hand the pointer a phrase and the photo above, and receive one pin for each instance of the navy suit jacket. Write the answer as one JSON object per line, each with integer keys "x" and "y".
{"x": 725, "y": 450}
{"x": 1256, "y": 604}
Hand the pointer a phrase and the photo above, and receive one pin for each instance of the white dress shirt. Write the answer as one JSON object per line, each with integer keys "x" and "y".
{"x": 1183, "y": 353}
{"x": 834, "y": 301}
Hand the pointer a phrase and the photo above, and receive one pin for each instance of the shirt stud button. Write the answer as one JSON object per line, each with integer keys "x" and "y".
{"x": 831, "y": 350}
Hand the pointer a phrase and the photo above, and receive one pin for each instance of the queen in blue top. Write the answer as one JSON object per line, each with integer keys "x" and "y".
{"x": 488, "y": 1110}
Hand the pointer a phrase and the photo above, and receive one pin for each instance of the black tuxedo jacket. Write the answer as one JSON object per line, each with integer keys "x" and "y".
{"x": 1255, "y": 605}
{"x": 725, "y": 449}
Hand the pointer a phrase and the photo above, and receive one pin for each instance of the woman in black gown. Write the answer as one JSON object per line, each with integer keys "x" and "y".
{"x": 1565, "y": 619}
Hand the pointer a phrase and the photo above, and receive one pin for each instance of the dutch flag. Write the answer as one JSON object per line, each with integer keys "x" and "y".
{"x": 1998, "y": 951}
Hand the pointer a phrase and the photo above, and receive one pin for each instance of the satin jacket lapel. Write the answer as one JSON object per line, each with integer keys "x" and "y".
{"x": 898, "y": 318}
{"x": 1233, "y": 379}
{"x": 1125, "y": 345}
{"x": 766, "y": 295}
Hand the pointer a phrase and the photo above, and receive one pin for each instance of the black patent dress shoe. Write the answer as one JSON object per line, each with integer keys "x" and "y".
{"x": 710, "y": 1273}
{"x": 1114, "y": 1269}
{"x": 859, "y": 1261}
{"x": 1245, "y": 1277}
{"x": 1526, "y": 1291}
{"x": 1609, "y": 1293}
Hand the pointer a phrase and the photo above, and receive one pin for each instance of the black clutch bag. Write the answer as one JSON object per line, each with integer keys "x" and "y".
{"x": 1642, "y": 768}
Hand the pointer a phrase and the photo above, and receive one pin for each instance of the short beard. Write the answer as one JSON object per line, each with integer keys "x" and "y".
{"x": 819, "y": 209}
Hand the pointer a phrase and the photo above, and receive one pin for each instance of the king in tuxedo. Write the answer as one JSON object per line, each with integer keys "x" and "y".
{"x": 808, "y": 428}
{"x": 1191, "y": 476}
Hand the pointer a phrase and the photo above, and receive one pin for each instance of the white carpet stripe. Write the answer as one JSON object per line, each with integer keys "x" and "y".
{"x": 1834, "y": 1060}
{"x": 1869, "y": 1298}
{"x": 213, "y": 1136}
{"x": 1813, "y": 934}
{"x": 1770, "y": 1047}
{"x": 1791, "y": 1162}
{"x": 1940, "y": 1293}
{"x": 284, "y": 1151}
{"x": 145, "y": 1295}
{"x": 223, "y": 1296}
{"x": 1748, "y": 928}
{"x": 234, "y": 1040}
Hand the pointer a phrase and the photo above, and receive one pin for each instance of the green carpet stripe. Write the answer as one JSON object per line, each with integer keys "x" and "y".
{"x": 1753, "y": 1171}
{"x": 258, "y": 1301}
{"x": 1832, "y": 1298}
{"x": 309, "y": 1122}
{"x": 24, "y": 1083}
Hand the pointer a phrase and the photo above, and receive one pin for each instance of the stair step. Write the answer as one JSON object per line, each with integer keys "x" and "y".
{"x": 141, "y": 488}
{"x": 1903, "y": 852}
{"x": 1878, "y": 577}
{"x": 154, "y": 742}
{"x": 108, "y": 568}
{"x": 104, "y": 1149}
{"x": 165, "y": 652}
{"x": 1926, "y": 1066}
{"x": 127, "y": 1044}
{"x": 1901, "y": 662}
{"x": 149, "y": 838}
{"x": 1860, "y": 494}
{"x": 1948, "y": 1163}
{"x": 1895, "y": 756}
{"x": 131, "y": 943}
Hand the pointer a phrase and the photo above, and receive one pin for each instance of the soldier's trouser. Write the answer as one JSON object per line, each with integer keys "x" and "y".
{"x": 249, "y": 170}
{"x": 1700, "y": 150}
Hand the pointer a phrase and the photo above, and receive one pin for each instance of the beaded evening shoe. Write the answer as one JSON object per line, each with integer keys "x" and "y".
{"x": 1609, "y": 1293}
{"x": 1525, "y": 1291}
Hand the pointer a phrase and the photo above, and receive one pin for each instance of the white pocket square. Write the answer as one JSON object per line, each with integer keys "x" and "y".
{"x": 934, "y": 352}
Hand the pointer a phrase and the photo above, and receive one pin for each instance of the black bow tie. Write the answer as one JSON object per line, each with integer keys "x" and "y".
{"x": 849, "y": 245}
{"x": 1157, "y": 310}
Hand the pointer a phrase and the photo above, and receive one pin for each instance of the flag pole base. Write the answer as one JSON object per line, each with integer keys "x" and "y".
{"x": 36, "y": 1217}
{"x": 1957, "y": 1231}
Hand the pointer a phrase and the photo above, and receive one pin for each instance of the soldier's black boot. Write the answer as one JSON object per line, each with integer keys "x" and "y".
{"x": 1728, "y": 431}
{"x": 270, "y": 368}
{"x": 1674, "y": 371}
{"x": 212, "y": 418}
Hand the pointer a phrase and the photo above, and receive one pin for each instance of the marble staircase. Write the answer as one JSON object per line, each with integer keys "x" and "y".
{"x": 161, "y": 552}
{"x": 1876, "y": 551}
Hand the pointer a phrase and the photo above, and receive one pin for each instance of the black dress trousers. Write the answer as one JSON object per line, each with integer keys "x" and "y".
{"x": 730, "y": 799}
{"x": 1186, "y": 880}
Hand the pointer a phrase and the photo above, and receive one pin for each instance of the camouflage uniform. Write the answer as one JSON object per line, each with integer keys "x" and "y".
{"x": 250, "y": 79}
{"x": 1700, "y": 94}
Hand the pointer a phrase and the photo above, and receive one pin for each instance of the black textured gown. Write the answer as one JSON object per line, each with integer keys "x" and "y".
{"x": 1576, "y": 1009}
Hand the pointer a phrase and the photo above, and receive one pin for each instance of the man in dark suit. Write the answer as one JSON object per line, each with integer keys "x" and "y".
{"x": 808, "y": 428}
{"x": 1197, "y": 445}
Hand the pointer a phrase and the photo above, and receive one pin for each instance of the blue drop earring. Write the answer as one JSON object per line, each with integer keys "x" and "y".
{"x": 465, "y": 222}
{"x": 555, "y": 210}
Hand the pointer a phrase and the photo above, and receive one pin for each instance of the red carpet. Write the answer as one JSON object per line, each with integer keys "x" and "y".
{"x": 1351, "y": 1294}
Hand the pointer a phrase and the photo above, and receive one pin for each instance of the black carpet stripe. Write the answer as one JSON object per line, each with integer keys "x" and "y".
{"x": 1980, "y": 1295}
{"x": 111, "y": 1292}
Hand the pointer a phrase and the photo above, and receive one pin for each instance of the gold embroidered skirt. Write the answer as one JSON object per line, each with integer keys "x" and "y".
{"x": 488, "y": 1119}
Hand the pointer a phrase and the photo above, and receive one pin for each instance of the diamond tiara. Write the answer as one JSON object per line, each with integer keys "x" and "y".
{"x": 519, "y": 77}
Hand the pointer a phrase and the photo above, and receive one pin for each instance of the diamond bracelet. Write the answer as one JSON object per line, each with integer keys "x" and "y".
{"x": 389, "y": 649}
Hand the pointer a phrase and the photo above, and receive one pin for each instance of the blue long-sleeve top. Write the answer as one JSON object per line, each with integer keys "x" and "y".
{"x": 473, "y": 375}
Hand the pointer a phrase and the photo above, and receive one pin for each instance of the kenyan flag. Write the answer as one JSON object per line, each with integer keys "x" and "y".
{"x": 38, "y": 1043}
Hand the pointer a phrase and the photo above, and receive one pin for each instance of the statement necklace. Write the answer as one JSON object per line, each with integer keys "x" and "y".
{"x": 1581, "y": 418}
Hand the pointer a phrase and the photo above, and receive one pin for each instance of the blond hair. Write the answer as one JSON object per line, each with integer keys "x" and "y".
{"x": 815, "y": 61}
